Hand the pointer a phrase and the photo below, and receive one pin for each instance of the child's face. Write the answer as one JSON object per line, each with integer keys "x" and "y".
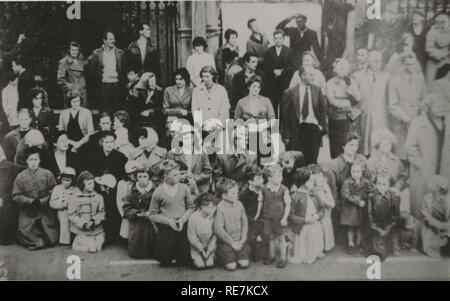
{"x": 66, "y": 182}
{"x": 143, "y": 179}
{"x": 208, "y": 209}
{"x": 89, "y": 185}
{"x": 288, "y": 163}
{"x": 232, "y": 194}
{"x": 382, "y": 185}
{"x": 356, "y": 172}
{"x": 132, "y": 76}
{"x": 276, "y": 178}
{"x": 258, "y": 181}
{"x": 311, "y": 183}
{"x": 173, "y": 177}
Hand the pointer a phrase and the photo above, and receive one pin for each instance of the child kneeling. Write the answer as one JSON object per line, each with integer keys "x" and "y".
{"x": 231, "y": 227}
{"x": 86, "y": 213}
{"x": 200, "y": 232}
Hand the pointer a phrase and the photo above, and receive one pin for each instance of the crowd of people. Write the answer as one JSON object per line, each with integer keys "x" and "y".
{"x": 384, "y": 188}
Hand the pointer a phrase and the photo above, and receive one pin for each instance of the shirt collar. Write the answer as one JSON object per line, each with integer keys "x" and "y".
{"x": 106, "y": 49}
{"x": 230, "y": 204}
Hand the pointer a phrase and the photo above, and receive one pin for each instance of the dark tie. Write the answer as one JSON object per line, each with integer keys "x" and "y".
{"x": 305, "y": 107}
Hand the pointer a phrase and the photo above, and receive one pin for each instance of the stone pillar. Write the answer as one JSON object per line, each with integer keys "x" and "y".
{"x": 199, "y": 16}
{"x": 185, "y": 32}
{"x": 350, "y": 36}
{"x": 212, "y": 26}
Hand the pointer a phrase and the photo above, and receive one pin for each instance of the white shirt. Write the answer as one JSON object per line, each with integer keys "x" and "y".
{"x": 110, "y": 74}
{"x": 195, "y": 63}
{"x": 142, "y": 44}
{"x": 10, "y": 100}
{"x": 311, "y": 118}
{"x": 60, "y": 160}
{"x": 278, "y": 50}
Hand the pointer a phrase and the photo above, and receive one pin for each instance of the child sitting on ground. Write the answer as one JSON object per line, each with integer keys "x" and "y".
{"x": 275, "y": 212}
{"x": 61, "y": 195}
{"x": 86, "y": 213}
{"x": 231, "y": 227}
{"x": 201, "y": 233}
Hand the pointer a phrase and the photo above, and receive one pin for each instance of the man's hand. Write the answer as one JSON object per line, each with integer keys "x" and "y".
{"x": 1, "y": 202}
{"x": 235, "y": 246}
{"x": 283, "y": 222}
{"x": 21, "y": 38}
{"x": 277, "y": 72}
{"x": 180, "y": 224}
{"x": 145, "y": 113}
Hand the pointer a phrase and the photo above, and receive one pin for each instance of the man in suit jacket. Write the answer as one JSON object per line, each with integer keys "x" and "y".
{"x": 304, "y": 117}
{"x": 106, "y": 75}
{"x": 278, "y": 69}
{"x": 25, "y": 82}
{"x": 301, "y": 38}
{"x": 141, "y": 55}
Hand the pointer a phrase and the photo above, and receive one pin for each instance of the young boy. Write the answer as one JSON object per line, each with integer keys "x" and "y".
{"x": 59, "y": 200}
{"x": 384, "y": 211}
{"x": 275, "y": 212}
{"x": 251, "y": 198}
{"x": 200, "y": 232}
{"x": 170, "y": 209}
{"x": 133, "y": 79}
{"x": 231, "y": 227}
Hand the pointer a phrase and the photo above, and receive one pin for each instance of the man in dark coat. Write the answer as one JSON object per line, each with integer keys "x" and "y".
{"x": 25, "y": 83}
{"x": 106, "y": 75}
{"x": 278, "y": 69}
{"x": 107, "y": 159}
{"x": 141, "y": 55}
{"x": 301, "y": 38}
{"x": 13, "y": 138}
{"x": 304, "y": 117}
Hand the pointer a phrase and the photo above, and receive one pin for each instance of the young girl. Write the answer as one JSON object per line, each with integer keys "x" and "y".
{"x": 142, "y": 236}
{"x": 201, "y": 233}
{"x": 354, "y": 191}
{"x": 305, "y": 219}
{"x": 323, "y": 190}
{"x": 86, "y": 214}
{"x": 290, "y": 161}
{"x": 59, "y": 200}
{"x": 122, "y": 142}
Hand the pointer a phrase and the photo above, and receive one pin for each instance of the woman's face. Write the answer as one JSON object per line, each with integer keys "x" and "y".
{"x": 233, "y": 40}
{"x": 62, "y": 144}
{"x": 152, "y": 81}
{"x": 207, "y": 79}
{"x": 117, "y": 123}
{"x": 75, "y": 103}
{"x": 408, "y": 43}
{"x": 385, "y": 146}
{"x": 308, "y": 61}
{"x": 179, "y": 81}
{"x": 89, "y": 185}
{"x": 254, "y": 89}
{"x": 351, "y": 147}
{"x": 74, "y": 51}
{"x": 199, "y": 49}
{"x": 37, "y": 101}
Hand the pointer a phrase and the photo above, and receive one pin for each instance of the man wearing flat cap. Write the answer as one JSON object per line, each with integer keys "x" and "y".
{"x": 301, "y": 38}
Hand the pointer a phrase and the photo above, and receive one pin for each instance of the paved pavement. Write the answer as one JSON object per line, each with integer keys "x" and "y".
{"x": 113, "y": 263}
